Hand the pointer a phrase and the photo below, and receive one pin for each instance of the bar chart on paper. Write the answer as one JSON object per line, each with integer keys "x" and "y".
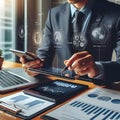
{"x": 27, "y": 105}
{"x": 94, "y": 112}
{"x": 96, "y": 104}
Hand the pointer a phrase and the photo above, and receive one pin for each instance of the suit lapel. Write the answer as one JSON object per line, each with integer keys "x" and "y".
{"x": 66, "y": 26}
{"x": 66, "y": 21}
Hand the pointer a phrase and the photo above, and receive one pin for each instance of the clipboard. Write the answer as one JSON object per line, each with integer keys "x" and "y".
{"x": 26, "y": 108}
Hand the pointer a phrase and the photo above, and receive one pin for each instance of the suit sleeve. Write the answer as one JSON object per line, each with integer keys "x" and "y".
{"x": 112, "y": 68}
{"x": 46, "y": 49}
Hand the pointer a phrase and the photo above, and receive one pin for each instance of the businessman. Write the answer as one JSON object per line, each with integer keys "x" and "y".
{"x": 83, "y": 35}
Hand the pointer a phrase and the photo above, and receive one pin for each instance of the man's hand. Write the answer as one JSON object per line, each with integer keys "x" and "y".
{"x": 83, "y": 64}
{"x": 32, "y": 64}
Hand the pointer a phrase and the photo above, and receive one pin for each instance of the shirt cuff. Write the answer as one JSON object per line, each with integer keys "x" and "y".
{"x": 100, "y": 70}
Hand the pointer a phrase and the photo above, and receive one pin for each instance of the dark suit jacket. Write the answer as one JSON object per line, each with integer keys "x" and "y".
{"x": 105, "y": 19}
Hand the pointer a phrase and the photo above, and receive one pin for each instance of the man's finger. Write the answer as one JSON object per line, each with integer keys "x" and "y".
{"x": 76, "y": 56}
{"x": 82, "y": 62}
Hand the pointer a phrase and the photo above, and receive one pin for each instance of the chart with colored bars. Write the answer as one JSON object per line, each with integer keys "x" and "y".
{"x": 96, "y": 104}
{"x": 29, "y": 105}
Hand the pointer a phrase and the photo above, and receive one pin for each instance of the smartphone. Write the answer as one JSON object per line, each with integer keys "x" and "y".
{"x": 27, "y": 55}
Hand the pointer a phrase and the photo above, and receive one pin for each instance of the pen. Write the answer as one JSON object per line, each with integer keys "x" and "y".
{"x": 64, "y": 69}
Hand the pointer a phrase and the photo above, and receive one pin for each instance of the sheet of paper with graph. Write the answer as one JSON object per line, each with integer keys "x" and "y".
{"x": 24, "y": 105}
{"x": 96, "y": 104}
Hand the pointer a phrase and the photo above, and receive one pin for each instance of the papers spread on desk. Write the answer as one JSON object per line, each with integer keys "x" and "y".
{"x": 35, "y": 100}
{"x": 96, "y": 104}
{"x": 23, "y": 105}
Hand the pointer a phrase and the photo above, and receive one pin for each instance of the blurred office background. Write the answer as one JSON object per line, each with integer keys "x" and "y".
{"x": 22, "y": 22}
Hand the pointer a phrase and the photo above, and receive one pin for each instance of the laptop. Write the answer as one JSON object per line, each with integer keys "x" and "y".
{"x": 16, "y": 78}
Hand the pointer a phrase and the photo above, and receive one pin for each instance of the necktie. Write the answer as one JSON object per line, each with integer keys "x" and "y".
{"x": 79, "y": 41}
{"x": 78, "y": 22}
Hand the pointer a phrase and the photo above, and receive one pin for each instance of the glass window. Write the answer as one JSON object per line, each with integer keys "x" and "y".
{"x": 7, "y": 28}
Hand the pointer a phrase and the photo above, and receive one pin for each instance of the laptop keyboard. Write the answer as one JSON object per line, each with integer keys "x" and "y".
{"x": 8, "y": 79}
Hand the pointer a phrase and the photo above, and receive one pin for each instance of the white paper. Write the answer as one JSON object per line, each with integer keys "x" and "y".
{"x": 27, "y": 103}
{"x": 96, "y": 104}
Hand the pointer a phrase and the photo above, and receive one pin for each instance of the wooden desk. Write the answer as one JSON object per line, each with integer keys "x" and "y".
{"x": 5, "y": 116}
{"x": 8, "y": 64}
